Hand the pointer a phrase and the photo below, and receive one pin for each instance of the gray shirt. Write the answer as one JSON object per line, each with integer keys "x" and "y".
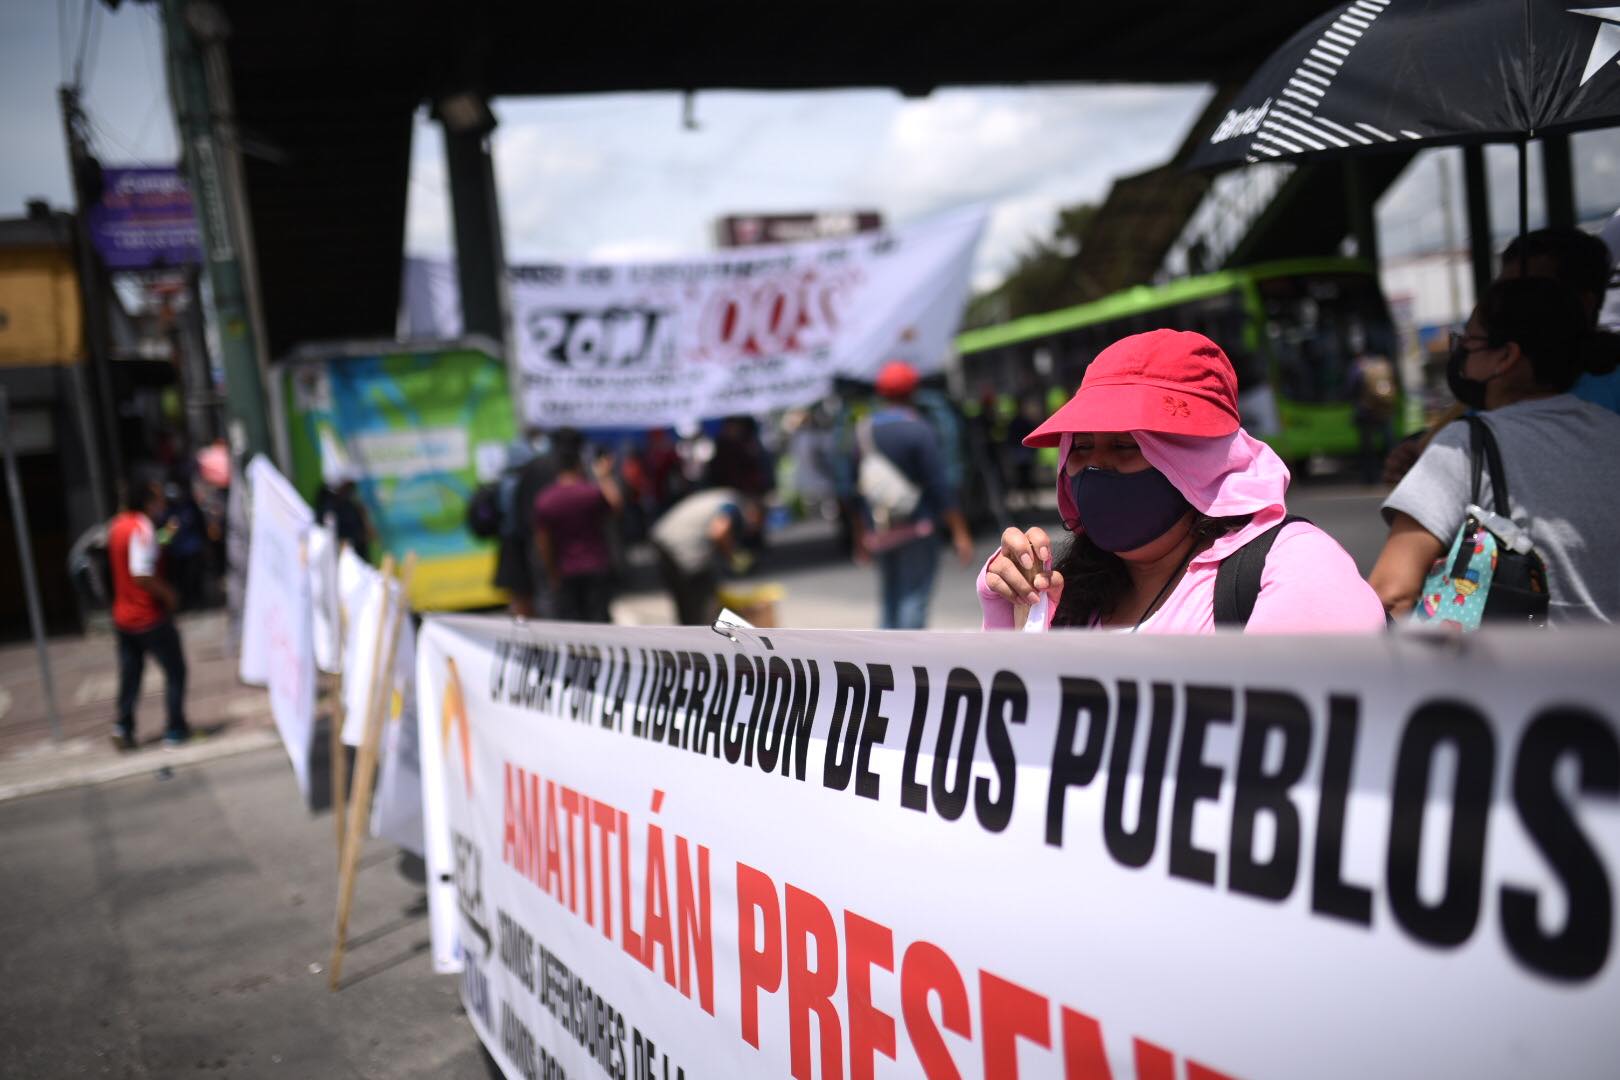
{"x": 1561, "y": 460}
{"x": 683, "y": 531}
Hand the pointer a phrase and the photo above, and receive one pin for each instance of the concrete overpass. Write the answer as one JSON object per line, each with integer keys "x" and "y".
{"x": 324, "y": 92}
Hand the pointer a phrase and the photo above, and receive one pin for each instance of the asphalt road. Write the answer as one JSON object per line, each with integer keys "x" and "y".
{"x": 181, "y": 927}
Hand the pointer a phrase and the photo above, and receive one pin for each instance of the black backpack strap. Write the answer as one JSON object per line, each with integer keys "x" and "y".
{"x": 1237, "y": 582}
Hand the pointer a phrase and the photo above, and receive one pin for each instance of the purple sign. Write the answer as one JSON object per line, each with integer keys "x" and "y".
{"x": 144, "y": 219}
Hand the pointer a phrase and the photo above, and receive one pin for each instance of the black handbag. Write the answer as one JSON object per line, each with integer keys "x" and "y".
{"x": 1518, "y": 592}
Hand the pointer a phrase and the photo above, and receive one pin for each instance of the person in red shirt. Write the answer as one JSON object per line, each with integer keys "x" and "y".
{"x": 142, "y": 611}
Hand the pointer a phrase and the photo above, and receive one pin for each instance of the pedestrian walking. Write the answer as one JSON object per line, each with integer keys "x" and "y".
{"x": 529, "y": 468}
{"x": 185, "y": 554}
{"x": 1373, "y": 389}
{"x": 571, "y": 521}
{"x": 1178, "y": 515}
{"x": 903, "y": 495}
{"x": 143, "y": 610}
{"x": 339, "y": 500}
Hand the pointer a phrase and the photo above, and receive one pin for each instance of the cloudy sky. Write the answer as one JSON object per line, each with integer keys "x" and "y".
{"x": 621, "y": 174}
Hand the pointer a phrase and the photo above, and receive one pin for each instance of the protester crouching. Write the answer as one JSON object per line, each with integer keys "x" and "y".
{"x": 703, "y": 535}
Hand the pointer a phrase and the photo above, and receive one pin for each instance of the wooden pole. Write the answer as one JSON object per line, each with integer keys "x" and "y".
{"x": 340, "y": 759}
{"x": 365, "y": 768}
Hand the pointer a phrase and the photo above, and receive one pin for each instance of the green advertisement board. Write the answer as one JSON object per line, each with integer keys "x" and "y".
{"x": 420, "y": 429}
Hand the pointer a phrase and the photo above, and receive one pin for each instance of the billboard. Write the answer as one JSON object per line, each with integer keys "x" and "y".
{"x": 144, "y": 219}
{"x": 421, "y": 429}
{"x": 746, "y": 230}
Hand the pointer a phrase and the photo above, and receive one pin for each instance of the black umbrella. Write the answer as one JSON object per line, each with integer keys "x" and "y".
{"x": 1402, "y": 74}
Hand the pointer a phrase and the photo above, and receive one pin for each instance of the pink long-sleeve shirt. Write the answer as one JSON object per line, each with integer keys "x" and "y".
{"x": 1309, "y": 584}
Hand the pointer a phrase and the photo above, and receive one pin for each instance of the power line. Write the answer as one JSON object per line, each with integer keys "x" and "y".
{"x": 95, "y": 45}
{"x": 84, "y": 36}
{"x": 146, "y": 122}
{"x": 158, "y": 76}
{"x": 62, "y": 38}
{"x": 105, "y": 133}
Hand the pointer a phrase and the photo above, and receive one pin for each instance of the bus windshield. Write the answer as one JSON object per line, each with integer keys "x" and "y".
{"x": 1317, "y": 325}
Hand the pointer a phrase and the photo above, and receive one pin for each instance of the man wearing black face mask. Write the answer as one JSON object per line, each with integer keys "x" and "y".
{"x": 1515, "y": 363}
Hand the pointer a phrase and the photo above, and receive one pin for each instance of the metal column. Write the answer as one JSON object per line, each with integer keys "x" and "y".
{"x": 25, "y": 549}
{"x": 1359, "y": 209}
{"x": 1558, "y": 181}
{"x": 195, "y": 60}
{"x": 1479, "y": 219}
{"x": 480, "y": 254}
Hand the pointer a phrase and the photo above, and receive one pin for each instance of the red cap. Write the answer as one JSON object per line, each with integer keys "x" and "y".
{"x": 897, "y": 379}
{"x": 1170, "y": 381}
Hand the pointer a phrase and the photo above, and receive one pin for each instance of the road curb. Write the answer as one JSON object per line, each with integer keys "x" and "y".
{"x": 82, "y": 762}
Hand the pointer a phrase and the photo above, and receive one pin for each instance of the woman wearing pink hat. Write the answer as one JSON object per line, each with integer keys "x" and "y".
{"x": 1160, "y": 487}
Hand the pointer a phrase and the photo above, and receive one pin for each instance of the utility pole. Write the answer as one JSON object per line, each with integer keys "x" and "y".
{"x": 195, "y": 60}
{"x": 83, "y": 173}
{"x": 191, "y": 351}
{"x": 25, "y": 550}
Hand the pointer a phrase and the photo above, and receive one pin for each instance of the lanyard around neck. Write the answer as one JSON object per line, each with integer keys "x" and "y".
{"x": 1165, "y": 588}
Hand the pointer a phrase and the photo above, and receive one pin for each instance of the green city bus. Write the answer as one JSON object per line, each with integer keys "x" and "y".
{"x": 1291, "y": 328}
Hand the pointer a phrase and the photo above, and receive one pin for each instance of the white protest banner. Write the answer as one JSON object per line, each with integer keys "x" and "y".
{"x": 325, "y": 598}
{"x": 354, "y": 578}
{"x": 826, "y": 853}
{"x": 238, "y": 538}
{"x": 276, "y": 614}
{"x": 367, "y": 598}
{"x": 437, "y": 853}
{"x": 370, "y": 603}
{"x": 744, "y": 331}
{"x": 396, "y": 815}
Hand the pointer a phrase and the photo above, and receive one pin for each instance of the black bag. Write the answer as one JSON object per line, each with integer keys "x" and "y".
{"x": 1519, "y": 585}
{"x": 484, "y": 512}
{"x": 1237, "y": 581}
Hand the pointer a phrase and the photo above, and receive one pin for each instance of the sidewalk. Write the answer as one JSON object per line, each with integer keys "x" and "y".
{"x": 84, "y": 671}
{"x": 181, "y": 925}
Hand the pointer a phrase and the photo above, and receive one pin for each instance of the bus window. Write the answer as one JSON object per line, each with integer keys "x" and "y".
{"x": 1317, "y": 325}
{"x": 1221, "y": 319}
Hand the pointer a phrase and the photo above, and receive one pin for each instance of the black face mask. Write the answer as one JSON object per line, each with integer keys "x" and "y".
{"x": 1470, "y": 392}
{"x": 1123, "y": 511}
